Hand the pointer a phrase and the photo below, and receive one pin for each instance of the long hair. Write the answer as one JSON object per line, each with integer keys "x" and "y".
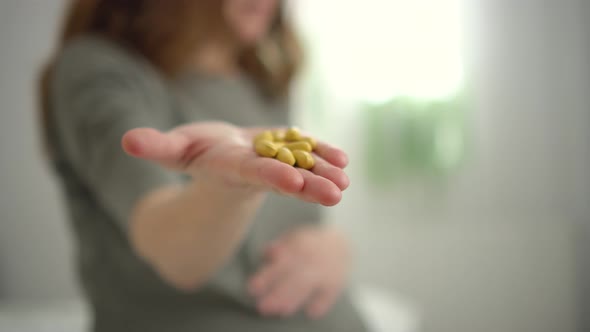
{"x": 167, "y": 33}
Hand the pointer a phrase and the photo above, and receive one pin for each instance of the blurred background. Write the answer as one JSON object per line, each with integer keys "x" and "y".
{"x": 468, "y": 127}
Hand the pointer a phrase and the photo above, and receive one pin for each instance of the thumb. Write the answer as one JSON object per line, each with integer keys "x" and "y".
{"x": 153, "y": 145}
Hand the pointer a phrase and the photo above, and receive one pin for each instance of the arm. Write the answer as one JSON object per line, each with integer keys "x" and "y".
{"x": 187, "y": 232}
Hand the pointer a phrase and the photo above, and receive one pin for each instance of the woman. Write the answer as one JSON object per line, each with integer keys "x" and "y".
{"x": 185, "y": 228}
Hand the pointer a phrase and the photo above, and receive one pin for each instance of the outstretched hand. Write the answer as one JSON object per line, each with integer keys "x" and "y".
{"x": 224, "y": 152}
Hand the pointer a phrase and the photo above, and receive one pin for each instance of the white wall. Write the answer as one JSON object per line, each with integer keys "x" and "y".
{"x": 34, "y": 241}
{"x": 583, "y": 225}
{"x": 493, "y": 249}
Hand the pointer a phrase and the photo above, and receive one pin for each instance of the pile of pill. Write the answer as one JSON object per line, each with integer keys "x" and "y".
{"x": 287, "y": 146}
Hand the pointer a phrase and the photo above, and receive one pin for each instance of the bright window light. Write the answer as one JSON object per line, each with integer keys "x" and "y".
{"x": 375, "y": 50}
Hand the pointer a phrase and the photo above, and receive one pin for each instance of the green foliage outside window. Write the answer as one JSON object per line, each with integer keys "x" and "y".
{"x": 410, "y": 137}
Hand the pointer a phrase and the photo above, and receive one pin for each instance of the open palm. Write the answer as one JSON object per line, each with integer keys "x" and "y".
{"x": 224, "y": 152}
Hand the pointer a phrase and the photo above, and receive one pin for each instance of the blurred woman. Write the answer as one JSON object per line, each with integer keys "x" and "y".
{"x": 184, "y": 228}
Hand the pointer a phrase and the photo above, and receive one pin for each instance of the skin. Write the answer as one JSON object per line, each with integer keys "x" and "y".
{"x": 305, "y": 268}
{"x": 187, "y": 233}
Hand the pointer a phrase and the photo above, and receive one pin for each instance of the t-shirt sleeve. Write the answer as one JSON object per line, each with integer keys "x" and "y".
{"x": 98, "y": 95}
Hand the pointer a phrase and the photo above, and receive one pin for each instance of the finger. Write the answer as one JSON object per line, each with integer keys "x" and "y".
{"x": 288, "y": 294}
{"x": 321, "y": 302}
{"x": 319, "y": 189}
{"x": 151, "y": 144}
{"x": 331, "y": 172}
{"x": 332, "y": 154}
{"x": 263, "y": 281}
{"x": 273, "y": 173}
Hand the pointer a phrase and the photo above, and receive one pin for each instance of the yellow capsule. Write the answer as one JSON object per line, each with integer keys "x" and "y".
{"x": 266, "y": 148}
{"x": 280, "y": 144}
{"x": 312, "y": 141}
{"x": 278, "y": 135}
{"x": 292, "y": 134}
{"x": 285, "y": 155}
{"x": 300, "y": 145}
{"x": 265, "y": 135}
{"x": 304, "y": 159}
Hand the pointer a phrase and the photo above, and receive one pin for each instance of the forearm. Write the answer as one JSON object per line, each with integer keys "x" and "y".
{"x": 187, "y": 233}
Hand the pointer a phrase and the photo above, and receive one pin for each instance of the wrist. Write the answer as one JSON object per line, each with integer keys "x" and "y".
{"x": 227, "y": 188}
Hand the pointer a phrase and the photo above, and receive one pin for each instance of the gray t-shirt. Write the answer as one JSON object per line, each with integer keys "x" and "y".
{"x": 99, "y": 91}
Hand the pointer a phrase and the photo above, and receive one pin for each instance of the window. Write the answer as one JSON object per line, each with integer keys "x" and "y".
{"x": 399, "y": 65}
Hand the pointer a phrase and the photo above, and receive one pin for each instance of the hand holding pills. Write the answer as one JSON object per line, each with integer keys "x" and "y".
{"x": 257, "y": 159}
